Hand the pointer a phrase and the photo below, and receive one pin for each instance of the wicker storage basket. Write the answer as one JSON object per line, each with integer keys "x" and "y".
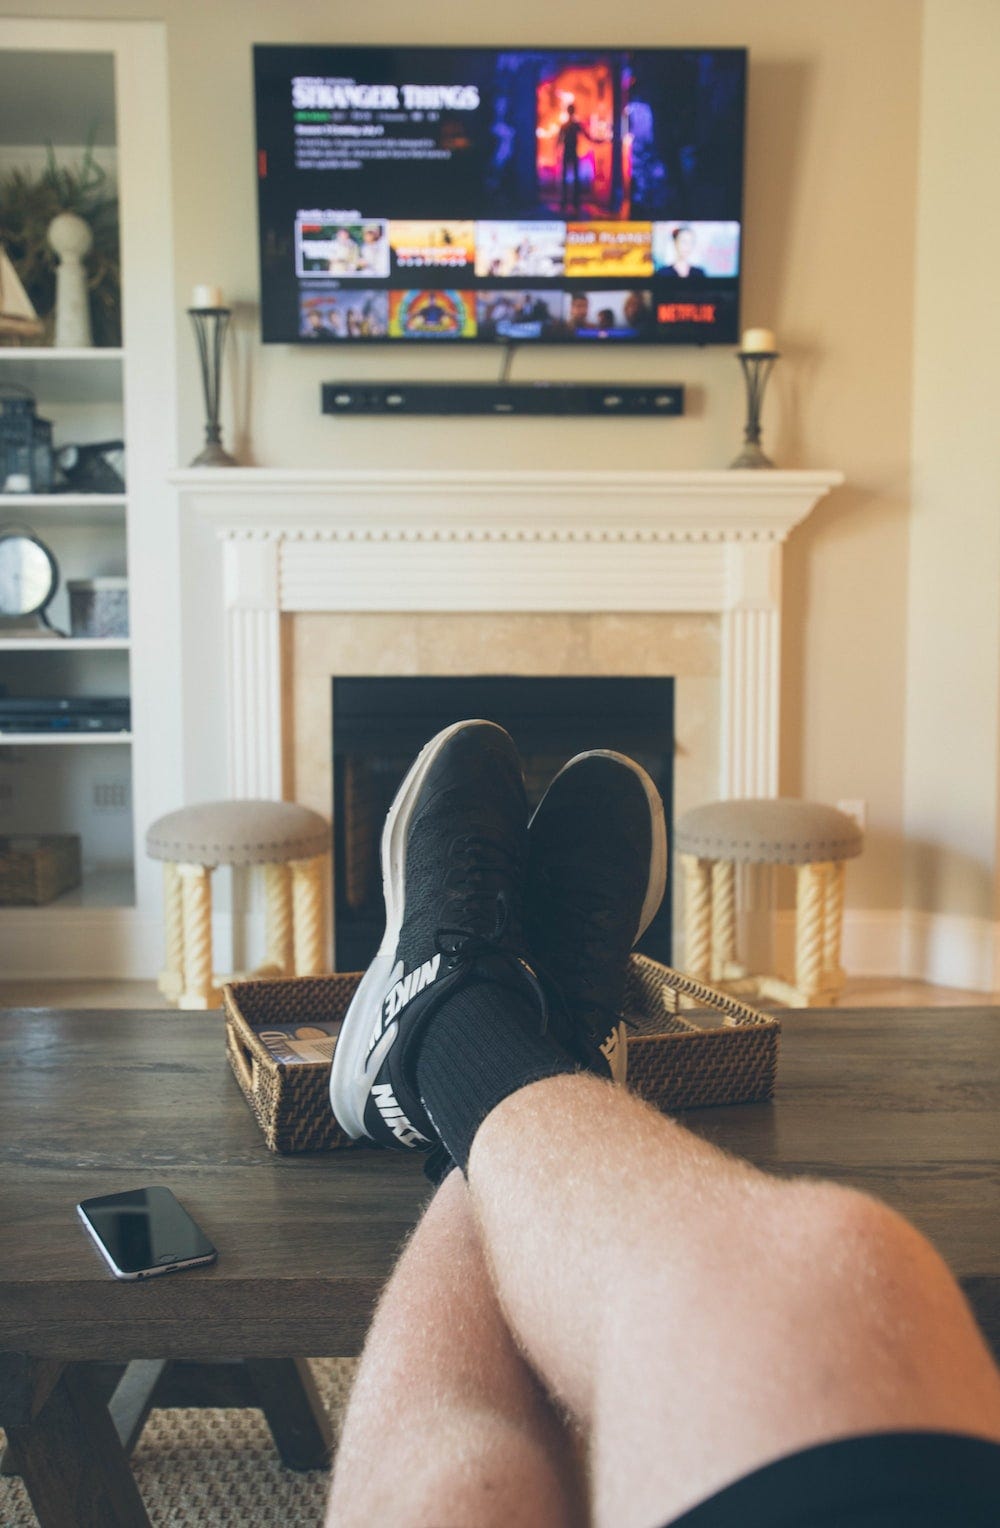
{"x": 678, "y": 1064}
{"x": 673, "y": 1062}
{"x": 34, "y": 869}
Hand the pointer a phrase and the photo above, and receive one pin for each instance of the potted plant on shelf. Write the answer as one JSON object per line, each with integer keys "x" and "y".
{"x": 28, "y": 204}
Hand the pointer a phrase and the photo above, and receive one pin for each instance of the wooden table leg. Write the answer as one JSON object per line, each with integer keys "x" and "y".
{"x": 134, "y": 1397}
{"x": 295, "y": 1414}
{"x": 75, "y": 1470}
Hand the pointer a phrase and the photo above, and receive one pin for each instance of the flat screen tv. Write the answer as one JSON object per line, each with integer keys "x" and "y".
{"x": 485, "y": 195}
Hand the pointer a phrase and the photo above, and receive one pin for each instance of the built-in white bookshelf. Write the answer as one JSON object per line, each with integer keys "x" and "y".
{"x": 76, "y": 81}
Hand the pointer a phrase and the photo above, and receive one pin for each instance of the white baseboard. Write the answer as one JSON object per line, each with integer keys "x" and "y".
{"x": 941, "y": 948}
{"x": 952, "y": 951}
{"x": 113, "y": 944}
{"x": 93, "y": 944}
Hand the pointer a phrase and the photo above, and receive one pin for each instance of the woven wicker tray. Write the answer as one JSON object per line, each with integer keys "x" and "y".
{"x": 673, "y": 1062}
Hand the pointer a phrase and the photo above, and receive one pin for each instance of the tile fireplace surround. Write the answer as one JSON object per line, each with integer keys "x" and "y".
{"x": 519, "y": 572}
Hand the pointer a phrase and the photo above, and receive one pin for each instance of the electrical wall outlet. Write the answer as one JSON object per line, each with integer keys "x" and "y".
{"x": 856, "y": 809}
{"x": 111, "y": 796}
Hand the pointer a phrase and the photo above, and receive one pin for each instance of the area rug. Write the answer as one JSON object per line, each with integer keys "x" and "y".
{"x": 203, "y": 1469}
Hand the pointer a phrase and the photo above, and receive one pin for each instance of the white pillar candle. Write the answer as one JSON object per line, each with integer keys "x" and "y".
{"x": 207, "y": 297}
{"x": 756, "y": 340}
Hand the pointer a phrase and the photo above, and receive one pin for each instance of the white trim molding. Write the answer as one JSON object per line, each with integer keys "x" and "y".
{"x": 951, "y": 950}
{"x": 670, "y": 542}
{"x": 944, "y": 949}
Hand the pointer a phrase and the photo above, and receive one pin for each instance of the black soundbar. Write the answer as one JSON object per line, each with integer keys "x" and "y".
{"x": 539, "y": 398}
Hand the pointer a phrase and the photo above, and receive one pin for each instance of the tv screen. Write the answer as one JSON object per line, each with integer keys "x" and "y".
{"x": 463, "y": 195}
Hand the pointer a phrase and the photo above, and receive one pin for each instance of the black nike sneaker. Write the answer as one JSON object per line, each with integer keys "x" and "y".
{"x": 597, "y": 868}
{"x": 453, "y": 854}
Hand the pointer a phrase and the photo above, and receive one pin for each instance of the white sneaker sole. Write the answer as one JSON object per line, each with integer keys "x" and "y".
{"x": 349, "y": 1087}
{"x": 657, "y": 882}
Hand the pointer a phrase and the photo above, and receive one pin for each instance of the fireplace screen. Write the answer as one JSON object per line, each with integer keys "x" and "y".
{"x": 379, "y": 725}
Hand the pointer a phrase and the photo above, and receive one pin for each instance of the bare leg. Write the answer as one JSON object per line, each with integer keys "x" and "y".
{"x": 446, "y": 1423}
{"x": 700, "y": 1318}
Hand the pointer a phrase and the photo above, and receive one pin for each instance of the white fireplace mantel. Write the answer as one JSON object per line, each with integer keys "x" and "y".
{"x": 396, "y": 540}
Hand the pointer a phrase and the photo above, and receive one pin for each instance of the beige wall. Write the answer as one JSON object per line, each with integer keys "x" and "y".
{"x": 830, "y": 211}
{"x": 952, "y": 757}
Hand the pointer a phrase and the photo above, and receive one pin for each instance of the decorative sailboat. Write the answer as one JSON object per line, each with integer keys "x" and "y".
{"x": 17, "y": 315}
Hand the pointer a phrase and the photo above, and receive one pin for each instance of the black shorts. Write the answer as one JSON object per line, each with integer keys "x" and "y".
{"x": 886, "y": 1480}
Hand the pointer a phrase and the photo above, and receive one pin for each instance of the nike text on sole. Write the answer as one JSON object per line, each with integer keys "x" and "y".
{"x": 385, "y": 1102}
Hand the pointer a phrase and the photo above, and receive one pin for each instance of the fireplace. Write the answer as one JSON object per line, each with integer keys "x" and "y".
{"x": 379, "y": 724}
{"x": 416, "y": 572}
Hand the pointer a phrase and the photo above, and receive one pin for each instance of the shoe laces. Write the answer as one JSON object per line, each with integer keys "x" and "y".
{"x": 479, "y": 895}
{"x": 581, "y": 919}
{"x": 482, "y": 898}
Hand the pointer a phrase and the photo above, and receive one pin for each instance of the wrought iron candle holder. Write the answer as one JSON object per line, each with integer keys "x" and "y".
{"x": 757, "y": 366}
{"x": 210, "y": 325}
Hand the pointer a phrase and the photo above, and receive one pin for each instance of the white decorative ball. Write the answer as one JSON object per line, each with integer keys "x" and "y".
{"x": 70, "y": 235}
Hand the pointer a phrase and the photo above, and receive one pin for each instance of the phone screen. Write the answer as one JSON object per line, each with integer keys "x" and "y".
{"x": 145, "y": 1229}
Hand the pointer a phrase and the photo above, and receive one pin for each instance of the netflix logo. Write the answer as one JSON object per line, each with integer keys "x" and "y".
{"x": 686, "y": 313}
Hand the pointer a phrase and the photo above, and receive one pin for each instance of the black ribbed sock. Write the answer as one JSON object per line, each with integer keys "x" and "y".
{"x": 480, "y": 1046}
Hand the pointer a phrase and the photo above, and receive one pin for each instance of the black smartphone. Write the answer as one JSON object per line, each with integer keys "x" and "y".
{"x": 145, "y": 1231}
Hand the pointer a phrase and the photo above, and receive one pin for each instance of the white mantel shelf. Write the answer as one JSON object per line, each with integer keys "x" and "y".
{"x": 298, "y": 541}
{"x": 264, "y": 502}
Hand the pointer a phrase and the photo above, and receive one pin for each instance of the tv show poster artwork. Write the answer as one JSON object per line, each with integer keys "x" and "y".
{"x": 431, "y": 315}
{"x": 328, "y": 246}
{"x": 575, "y": 140}
{"x": 356, "y": 314}
{"x": 520, "y": 249}
{"x": 608, "y": 315}
{"x": 417, "y": 244}
{"x": 609, "y": 249}
{"x": 518, "y": 316}
{"x": 691, "y": 251}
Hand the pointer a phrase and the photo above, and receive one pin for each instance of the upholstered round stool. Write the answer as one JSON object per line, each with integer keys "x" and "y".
{"x": 713, "y": 839}
{"x": 290, "y": 842}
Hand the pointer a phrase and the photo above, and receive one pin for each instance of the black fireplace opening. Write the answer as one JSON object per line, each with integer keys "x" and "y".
{"x": 379, "y": 725}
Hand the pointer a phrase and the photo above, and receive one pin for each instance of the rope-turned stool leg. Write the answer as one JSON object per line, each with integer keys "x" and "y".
{"x": 278, "y": 905}
{"x": 810, "y": 938}
{"x": 196, "y": 892}
{"x": 833, "y": 926}
{"x": 723, "y": 918}
{"x": 307, "y": 914}
{"x": 171, "y": 978}
{"x": 697, "y": 916}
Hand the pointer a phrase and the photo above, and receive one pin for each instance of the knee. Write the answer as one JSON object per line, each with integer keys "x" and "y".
{"x": 845, "y": 1230}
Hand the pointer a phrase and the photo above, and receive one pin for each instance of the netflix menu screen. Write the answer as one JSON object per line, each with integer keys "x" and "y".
{"x": 441, "y": 195}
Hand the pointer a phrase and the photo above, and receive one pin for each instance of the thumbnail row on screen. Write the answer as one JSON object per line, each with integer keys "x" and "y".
{"x": 359, "y": 313}
{"x": 330, "y": 244}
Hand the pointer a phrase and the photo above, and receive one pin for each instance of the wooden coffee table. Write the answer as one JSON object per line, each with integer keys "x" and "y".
{"x": 904, "y": 1104}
